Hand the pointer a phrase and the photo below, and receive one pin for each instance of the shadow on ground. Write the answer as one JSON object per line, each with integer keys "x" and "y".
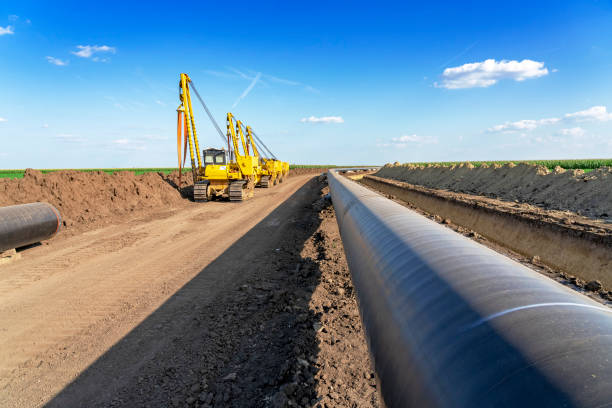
{"x": 249, "y": 341}
{"x": 185, "y": 192}
{"x": 26, "y": 247}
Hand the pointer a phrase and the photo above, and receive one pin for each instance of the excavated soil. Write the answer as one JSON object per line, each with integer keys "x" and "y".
{"x": 213, "y": 305}
{"x": 89, "y": 200}
{"x": 533, "y": 236}
{"x": 587, "y": 194}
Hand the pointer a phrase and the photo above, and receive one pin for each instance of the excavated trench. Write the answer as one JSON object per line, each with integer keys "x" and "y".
{"x": 568, "y": 247}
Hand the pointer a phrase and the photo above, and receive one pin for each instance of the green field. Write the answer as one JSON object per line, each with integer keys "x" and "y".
{"x": 583, "y": 164}
{"x": 166, "y": 170}
{"x": 19, "y": 172}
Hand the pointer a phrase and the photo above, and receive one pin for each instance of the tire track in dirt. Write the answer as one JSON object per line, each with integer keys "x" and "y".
{"x": 69, "y": 259}
{"x": 64, "y": 304}
{"x": 280, "y": 329}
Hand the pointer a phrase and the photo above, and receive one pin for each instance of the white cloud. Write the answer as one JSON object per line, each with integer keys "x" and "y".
{"x": 405, "y": 140}
{"x": 489, "y": 72}
{"x": 6, "y": 30}
{"x": 57, "y": 61}
{"x": 323, "y": 119}
{"x": 576, "y": 132}
{"x": 45, "y": 126}
{"x": 127, "y": 144}
{"x": 160, "y": 103}
{"x": 522, "y": 125}
{"x": 153, "y": 137}
{"x": 68, "y": 138}
{"x": 282, "y": 80}
{"x": 241, "y": 74}
{"x": 221, "y": 74}
{"x": 247, "y": 90}
{"x": 515, "y": 126}
{"x": 86, "y": 51}
{"x": 548, "y": 121}
{"x": 311, "y": 89}
{"x": 264, "y": 79}
{"x": 409, "y": 140}
{"x": 596, "y": 113}
{"x": 3, "y": 120}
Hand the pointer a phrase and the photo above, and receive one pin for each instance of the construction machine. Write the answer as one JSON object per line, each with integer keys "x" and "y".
{"x": 222, "y": 173}
{"x": 268, "y": 173}
{"x": 273, "y": 171}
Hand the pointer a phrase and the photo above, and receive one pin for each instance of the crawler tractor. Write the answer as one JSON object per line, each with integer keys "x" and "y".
{"x": 229, "y": 173}
{"x": 273, "y": 171}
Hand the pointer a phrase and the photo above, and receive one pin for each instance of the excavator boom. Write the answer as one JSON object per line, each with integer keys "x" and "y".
{"x": 231, "y": 173}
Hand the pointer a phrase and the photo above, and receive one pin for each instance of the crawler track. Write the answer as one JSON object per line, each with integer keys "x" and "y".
{"x": 265, "y": 182}
{"x": 200, "y": 192}
{"x": 236, "y": 191}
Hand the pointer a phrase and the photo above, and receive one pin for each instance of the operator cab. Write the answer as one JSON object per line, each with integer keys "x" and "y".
{"x": 214, "y": 156}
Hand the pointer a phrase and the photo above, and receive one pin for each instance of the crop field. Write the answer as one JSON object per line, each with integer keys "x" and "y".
{"x": 18, "y": 173}
{"x": 584, "y": 164}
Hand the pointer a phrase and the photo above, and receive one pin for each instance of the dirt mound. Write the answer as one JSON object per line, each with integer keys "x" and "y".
{"x": 92, "y": 199}
{"x": 86, "y": 198}
{"x": 299, "y": 172}
{"x": 588, "y": 194}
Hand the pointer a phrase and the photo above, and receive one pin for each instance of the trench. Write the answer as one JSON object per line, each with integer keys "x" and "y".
{"x": 585, "y": 253}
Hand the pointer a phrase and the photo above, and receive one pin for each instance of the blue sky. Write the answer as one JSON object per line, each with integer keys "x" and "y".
{"x": 95, "y": 85}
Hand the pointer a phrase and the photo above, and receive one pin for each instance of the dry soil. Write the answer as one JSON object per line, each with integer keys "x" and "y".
{"x": 188, "y": 305}
{"x": 588, "y": 194}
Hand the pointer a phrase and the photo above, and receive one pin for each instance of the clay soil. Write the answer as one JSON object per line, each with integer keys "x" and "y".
{"x": 587, "y": 194}
{"x": 151, "y": 300}
{"x": 89, "y": 200}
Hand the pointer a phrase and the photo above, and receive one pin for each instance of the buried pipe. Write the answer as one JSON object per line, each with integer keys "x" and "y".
{"x": 26, "y": 224}
{"x": 451, "y": 323}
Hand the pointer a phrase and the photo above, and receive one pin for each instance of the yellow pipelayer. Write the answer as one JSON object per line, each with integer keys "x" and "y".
{"x": 268, "y": 173}
{"x": 229, "y": 174}
{"x": 272, "y": 171}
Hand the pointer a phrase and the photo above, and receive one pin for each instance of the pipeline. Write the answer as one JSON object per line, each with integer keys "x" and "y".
{"x": 26, "y": 224}
{"x": 451, "y": 323}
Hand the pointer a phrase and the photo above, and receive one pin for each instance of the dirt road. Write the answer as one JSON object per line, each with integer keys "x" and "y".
{"x": 208, "y": 305}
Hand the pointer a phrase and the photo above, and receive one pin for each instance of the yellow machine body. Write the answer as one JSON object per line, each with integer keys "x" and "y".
{"x": 272, "y": 171}
{"x": 231, "y": 173}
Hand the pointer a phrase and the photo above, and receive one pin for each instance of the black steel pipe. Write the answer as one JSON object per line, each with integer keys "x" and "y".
{"x": 451, "y": 323}
{"x": 26, "y": 224}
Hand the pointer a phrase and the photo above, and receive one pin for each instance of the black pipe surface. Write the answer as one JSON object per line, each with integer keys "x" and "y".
{"x": 26, "y": 224}
{"x": 451, "y": 323}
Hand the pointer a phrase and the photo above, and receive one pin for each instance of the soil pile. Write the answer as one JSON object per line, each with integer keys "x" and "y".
{"x": 588, "y": 194}
{"x": 86, "y": 198}
{"x": 314, "y": 170}
{"x": 92, "y": 199}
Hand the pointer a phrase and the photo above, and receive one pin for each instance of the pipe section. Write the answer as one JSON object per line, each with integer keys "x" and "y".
{"x": 451, "y": 323}
{"x": 26, "y": 224}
